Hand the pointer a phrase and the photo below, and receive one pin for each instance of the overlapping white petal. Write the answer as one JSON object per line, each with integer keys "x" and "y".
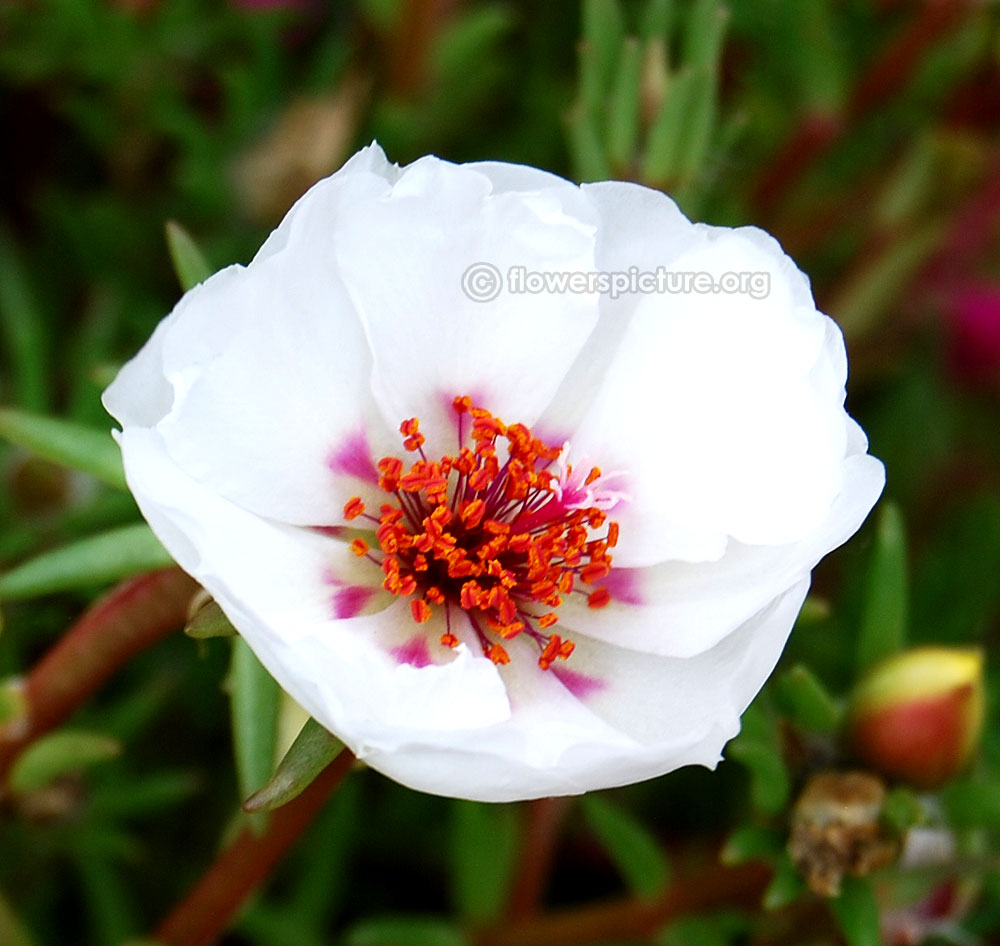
{"x": 260, "y": 405}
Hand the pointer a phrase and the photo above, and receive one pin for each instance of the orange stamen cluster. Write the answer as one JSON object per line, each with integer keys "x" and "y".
{"x": 484, "y": 531}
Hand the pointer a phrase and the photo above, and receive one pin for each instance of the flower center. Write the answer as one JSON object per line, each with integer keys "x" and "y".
{"x": 493, "y": 533}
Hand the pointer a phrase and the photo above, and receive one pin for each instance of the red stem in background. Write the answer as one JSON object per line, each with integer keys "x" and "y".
{"x": 972, "y": 228}
{"x": 130, "y": 618}
{"x": 202, "y": 916}
{"x": 543, "y": 821}
{"x": 628, "y": 919}
{"x": 420, "y": 24}
{"x": 886, "y": 76}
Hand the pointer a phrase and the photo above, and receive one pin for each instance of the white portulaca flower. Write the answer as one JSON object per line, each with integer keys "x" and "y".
{"x": 504, "y": 533}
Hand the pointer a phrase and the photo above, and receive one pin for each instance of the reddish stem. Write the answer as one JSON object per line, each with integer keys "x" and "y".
{"x": 883, "y": 79}
{"x": 201, "y": 917}
{"x": 969, "y": 235}
{"x": 544, "y": 818}
{"x": 131, "y": 617}
{"x": 628, "y": 919}
{"x": 420, "y": 25}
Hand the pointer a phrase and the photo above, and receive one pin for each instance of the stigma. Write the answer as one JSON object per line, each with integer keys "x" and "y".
{"x": 491, "y": 534}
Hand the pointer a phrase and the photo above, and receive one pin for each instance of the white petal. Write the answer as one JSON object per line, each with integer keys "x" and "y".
{"x": 639, "y": 229}
{"x": 277, "y": 584}
{"x": 403, "y": 260}
{"x": 681, "y": 609}
{"x": 685, "y": 708}
{"x": 725, "y": 410}
{"x": 261, "y": 376}
{"x": 456, "y": 728}
{"x": 649, "y": 716}
{"x": 295, "y": 573}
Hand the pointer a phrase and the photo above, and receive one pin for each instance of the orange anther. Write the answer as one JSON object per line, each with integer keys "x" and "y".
{"x": 471, "y": 513}
{"x": 498, "y": 655}
{"x": 507, "y": 631}
{"x": 471, "y": 595}
{"x": 420, "y": 610}
{"x": 594, "y": 571}
{"x": 555, "y": 649}
{"x": 353, "y": 508}
{"x": 494, "y": 541}
{"x": 599, "y": 598}
{"x": 594, "y": 474}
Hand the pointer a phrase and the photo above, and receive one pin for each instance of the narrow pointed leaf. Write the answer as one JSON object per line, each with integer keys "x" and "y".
{"x": 656, "y": 19}
{"x": 902, "y": 810}
{"x": 313, "y": 750}
{"x": 883, "y": 624}
{"x": 100, "y": 559}
{"x": 857, "y": 913}
{"x": 806, "y": 701}
{"x": 752, "y": 843}
{"x": 58, "y": 754}
{"x": 623, "y": 117}
{"x": 758, "y": 748}
{"x": 590, "y": 159}
{"x": 635, "y": 851}
{"x": 699, "y": 126}
{"x": 603, "y": 32}
{"x": 189, "y": 262}
{"x": 786, "y": 886}
{"x": 872, "y": 293}
{"x": 254, "y": 700}
{"x": 483, "y": 847}
{"x": 22, "y": 329}
{"x": 665, "y": 142}
{"x": 66, "y": 443}
{"x": 703, "y": 36}
{"x": 207, "y": 621}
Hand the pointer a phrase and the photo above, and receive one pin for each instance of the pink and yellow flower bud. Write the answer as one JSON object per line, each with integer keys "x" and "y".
{"x": 917, "y": 716}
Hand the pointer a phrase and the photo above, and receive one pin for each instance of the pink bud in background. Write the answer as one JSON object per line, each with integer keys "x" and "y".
{"x": 974, "y": 326}
{"x": 918, "y": 715}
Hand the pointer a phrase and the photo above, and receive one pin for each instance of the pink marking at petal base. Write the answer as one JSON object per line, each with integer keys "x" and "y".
{"x": 579, "y": 684}
{"x": 414, "y": 652}
{"x": 334, "y": 532}
{"x": 349, "y": 600}
{"x": 624, "y": 584}
{"x": 354, "y": 458}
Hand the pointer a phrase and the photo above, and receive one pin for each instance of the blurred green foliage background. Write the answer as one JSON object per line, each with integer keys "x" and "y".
{"x": 864, "y": 134}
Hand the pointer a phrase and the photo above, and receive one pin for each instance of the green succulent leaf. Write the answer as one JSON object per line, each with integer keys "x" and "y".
{"x": 96, "y": 560}
{"x": 190, "y": 263}
{"x": 313, "y": 750}
{"x": 57, "y": 754}
{"x": 65, "y": 442}
{"x": 635, "y": 851}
